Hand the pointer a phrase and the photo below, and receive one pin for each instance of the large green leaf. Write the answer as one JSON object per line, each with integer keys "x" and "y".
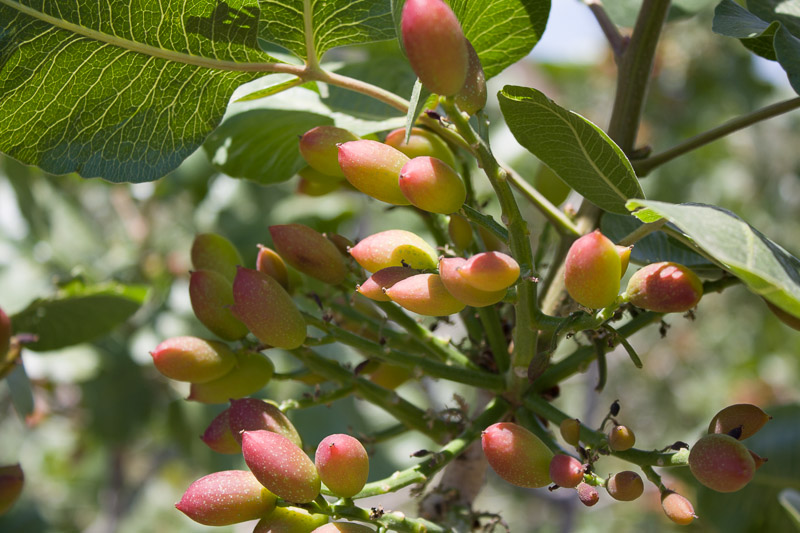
{"x": 77, "y": 313}
{"x": 258, "y": 138}
{"x": 501, "y": 31}
{"x": 308, "y": 28}
{"x": 121, "y": 90}
{"x": 770, "y": 28}
{"x": 579, "y": 152}
{"x": 653, "y": 248}
{"x": 765, "y": 267}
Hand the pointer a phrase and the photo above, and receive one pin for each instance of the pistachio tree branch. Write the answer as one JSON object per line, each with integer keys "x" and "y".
{"x": 615, "y": 39}
{"x": 644, "y": 166}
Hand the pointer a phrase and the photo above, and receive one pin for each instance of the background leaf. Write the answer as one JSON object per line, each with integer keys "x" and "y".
{"x": 258, "y": 139}
{"x": 331, "y": 22}
{"x": 653, "y": 248}
{"x": 78, "y": 313}
{"x": 85, "y": 88}
{"x": 579, "y": 152}
{"x": 765, "y": 267}
{"x": 769, "y": 28}
{"x": 21, "y": 393}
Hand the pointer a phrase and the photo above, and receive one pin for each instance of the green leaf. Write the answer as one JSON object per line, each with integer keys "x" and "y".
{"x": 21, "y": 393}
{"x": 327, "y": 23}
{"x": 78, "y": 313}
{"x": 769, "y": 28}
{"x": 258, "y": 139}
{"x": 653, "y": 248}
{"x": 790, "y": 500}
{"x": 502, "y": 31}
{"x": 765, "y": 267}
{"x": 123, "y": 91}
{"x": 579, "y": 152}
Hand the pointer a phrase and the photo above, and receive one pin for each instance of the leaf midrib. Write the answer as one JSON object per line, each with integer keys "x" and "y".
{"x": 154, "y": 51}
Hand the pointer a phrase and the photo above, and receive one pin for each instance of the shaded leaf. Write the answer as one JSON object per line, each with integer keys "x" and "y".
{"x": 21, "y": 393}
{"x": 258, "y": 139}
{"x": 331, "y": 23}
{"x": 653, "y": 248}
{"x": 769, "y": 28}
{"x": 790, "y": 500}
{"x": 765, "y": 267}
{"x": 579, "y": 152}
{"x": 123, "y": 93}
{"x": 78, "y": 313}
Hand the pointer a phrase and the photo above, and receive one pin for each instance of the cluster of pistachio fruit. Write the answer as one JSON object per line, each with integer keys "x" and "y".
{"x": 279, "y": 471}
{"x": 594, "y": 266}
{"x": 718, "y": 460}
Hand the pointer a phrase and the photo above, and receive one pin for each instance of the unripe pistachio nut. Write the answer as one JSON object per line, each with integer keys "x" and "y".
{"x": 721, "y": 463}
{"x": 677, "y": 508}
{"x": 214, "y": 252}
{"x": 343, "y": 464}
{"x": 319, "y": 147}
{"x": 432, "y": 185}
{"x": 566, "y": 471}
{"x": 309, "y": 251}
{"x": 290, "y": 520}
{"x": 374, "y": 287}
{"x": 570, "y": 430}
{"x": 461, "y": 289}
{"x": 490, "y": 271}
{"x": 424, "y": 294}
{"x": 225, "y": 498}
{"x": 785, "y": 317}
{"x": 267, "y": 310}
{"x": 750, "y": 418}
{"x": 251, "y": 373}
{"x": 193, "y": 359}
{"x": 587, "y": 494}
{"x": 421, "y": 142}
{"x": 460, "y": 232}
{"x": 664, "y": 288}
{"x": 592, "y": 271}
{"x": 280, "y": 466}
{"x": 621, "y": 438}
{"x": 373, "y": 168}
{"x": 219, "y": 437}
{"x": 624, "y": 258}
{"x": 211, "y": 295}
{"x": 11, "y": 481}
{"x": 625, "y": 486}
{"x": 517, "y": 455}
{"x": 251, "y": 414}
{"x": 390, "y": 376}
{"x": 270, "y": 263}
{"x": 394, "y": 247}
{"x": 435, "y": 45}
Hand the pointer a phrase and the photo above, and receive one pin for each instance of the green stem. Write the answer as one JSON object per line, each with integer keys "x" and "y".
{"x": 644, "y": 166}
{"x": 404, "y": 411}
{"x": 486, "y": 222}
{"x": 636, "y": 64}
{"x": 553, "y": 214}
{"x": 424, "y": 338}
{"x": 321, "y": 399}
{"x": 424, "y": 471}
{"x": 641, "y": 232}
{"x": 615, "y": 39}
{"x": 493, "y": 329}
{"x": 461, "y": 374}
{"x": 393, "y": 520}
{"x": 597, "y": 439}
{"x": 525, "y": 330}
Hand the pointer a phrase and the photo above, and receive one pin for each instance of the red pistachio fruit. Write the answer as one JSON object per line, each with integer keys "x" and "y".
{"x": 225, "y": 498}
{"x": 280, "y": 466}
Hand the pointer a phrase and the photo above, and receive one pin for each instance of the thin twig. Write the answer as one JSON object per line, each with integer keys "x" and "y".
{"x": 615, "y": 38}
